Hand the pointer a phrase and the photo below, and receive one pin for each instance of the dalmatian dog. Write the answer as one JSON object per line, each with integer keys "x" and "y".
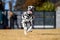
{"x": 27, "y": 19}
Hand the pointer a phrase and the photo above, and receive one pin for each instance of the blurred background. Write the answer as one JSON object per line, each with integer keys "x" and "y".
{"x": 11, "y": 11}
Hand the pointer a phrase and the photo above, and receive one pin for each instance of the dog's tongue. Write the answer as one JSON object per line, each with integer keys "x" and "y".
{"x": 29, "y": 12}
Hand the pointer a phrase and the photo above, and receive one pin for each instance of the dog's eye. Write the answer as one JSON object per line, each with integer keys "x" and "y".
{"x": 29, "y": 7}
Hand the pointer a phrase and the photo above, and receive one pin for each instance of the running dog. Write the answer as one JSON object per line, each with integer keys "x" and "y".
{"x": 27, "y": 19}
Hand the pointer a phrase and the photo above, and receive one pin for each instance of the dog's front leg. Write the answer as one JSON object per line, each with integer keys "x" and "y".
{"x": 25, "y": 28}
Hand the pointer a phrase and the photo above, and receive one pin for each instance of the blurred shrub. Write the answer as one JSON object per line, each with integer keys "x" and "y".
{"x": 47, "y": 6}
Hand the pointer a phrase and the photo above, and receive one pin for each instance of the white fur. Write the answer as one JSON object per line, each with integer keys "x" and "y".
{"x": 24, "y": 24}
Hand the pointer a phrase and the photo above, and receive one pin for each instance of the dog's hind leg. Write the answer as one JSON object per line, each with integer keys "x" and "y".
{"x": 30, "y": 28}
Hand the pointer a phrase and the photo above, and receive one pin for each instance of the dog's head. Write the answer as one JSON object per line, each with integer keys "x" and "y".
{"x": 31, "y": 8}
